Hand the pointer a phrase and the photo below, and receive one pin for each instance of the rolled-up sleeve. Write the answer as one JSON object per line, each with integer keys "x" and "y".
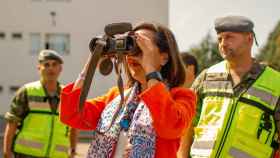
{"x": 172, "y": 110}
{"x": 19, "y": 106}
{"x": 88, "y": 117}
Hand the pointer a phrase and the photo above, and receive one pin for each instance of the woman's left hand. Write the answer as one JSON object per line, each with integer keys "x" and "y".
{"x": 151, "y": 58}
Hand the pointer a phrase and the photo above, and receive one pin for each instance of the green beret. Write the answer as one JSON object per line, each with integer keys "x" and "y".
{"x": 233, "y": 24}
{"x": 48, "y": 54}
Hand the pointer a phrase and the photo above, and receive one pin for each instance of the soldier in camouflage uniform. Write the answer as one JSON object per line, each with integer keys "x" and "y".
{"x": 49, "y": 67}
{"x": 235, "y": 90}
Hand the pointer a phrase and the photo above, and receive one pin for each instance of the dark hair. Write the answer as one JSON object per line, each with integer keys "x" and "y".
{"x": 189, "y": 59}
{"x": 174, "y": 70}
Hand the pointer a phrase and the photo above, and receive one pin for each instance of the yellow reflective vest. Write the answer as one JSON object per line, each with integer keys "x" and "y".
{"x": 42, "y": 134}
{"x": 237, "y": 126}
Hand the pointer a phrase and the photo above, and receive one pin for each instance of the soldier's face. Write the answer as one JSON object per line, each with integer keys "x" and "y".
{"x": 233, "y": 45}
{"x": 50, "y": 70}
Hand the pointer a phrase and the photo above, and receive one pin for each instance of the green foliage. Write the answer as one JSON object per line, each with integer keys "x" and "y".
{"x": 206, "y": 53}
{"x": 270, "y": 53}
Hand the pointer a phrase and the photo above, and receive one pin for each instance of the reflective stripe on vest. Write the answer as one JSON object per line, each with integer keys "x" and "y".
{"x": 39, "y": 106}
{"x": 42, "y": 134}
{"x": 31, "y": 143}
{"x": 62, "y": 148}
{"x": 236, "y": 123}
{"x": 37, "y": 98}
{"x": 236, "y": 153}
{"x": 270, "y": 99}
{"x": 217, "y": 86}
{"x": 39, "y": 145}
{"x": 204, "y": 144}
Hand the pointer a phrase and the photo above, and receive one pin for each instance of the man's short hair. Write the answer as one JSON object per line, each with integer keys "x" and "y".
{"x": 189, "y": 59}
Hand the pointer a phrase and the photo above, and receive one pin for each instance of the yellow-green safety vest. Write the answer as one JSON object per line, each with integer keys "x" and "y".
{"x": 236, "y": 126}
{"x": 42, "y": 134}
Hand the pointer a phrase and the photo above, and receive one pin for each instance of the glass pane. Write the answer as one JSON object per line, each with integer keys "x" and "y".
{"x": 35, "y": 43}
{"x": 58, "y": 42}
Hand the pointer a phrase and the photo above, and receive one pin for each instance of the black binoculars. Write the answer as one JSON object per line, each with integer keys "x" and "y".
{"x": 119, "y": 38}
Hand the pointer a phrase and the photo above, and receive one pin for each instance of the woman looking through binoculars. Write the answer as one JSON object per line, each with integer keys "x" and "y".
{"x": 156, "y": 108}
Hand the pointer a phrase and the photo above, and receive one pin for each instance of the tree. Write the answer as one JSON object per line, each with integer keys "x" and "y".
{"x": 270, "y": 53}
{"x": 206, "y": 53}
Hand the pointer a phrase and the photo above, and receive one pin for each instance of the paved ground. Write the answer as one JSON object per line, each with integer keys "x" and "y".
{"x": 82, "y": 149}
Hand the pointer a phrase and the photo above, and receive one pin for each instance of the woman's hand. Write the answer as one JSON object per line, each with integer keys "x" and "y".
{"x": 151, "y": 57}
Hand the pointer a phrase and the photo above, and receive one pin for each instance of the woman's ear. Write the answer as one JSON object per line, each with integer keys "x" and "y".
{"x": 164, "y": 58}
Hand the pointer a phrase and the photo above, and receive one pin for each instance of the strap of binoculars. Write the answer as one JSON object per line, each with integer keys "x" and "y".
{"x": 118, "y": 67}
{"x": 94, "y": 58}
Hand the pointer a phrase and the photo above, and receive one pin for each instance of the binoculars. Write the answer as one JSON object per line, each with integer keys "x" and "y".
{"x": 119, "y": 38}
{"x": 118, "y": 41}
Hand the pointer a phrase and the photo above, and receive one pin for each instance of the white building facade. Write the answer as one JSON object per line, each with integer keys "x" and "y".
{"x": 67, "y": 26}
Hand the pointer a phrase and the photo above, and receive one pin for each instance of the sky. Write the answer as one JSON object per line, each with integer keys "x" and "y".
{"x": 191, "y": 20}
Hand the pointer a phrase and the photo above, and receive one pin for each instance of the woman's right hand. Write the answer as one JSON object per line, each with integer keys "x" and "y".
{"x": 151, "y": 54}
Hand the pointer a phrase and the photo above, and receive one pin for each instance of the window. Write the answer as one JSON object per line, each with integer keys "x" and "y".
{"x": 14, "y": 88}
{"x": 2, "y": 35}
{"x": 35, "y": 43}
{"x": 58, "y": 42}
{"x": 17, "y": 36}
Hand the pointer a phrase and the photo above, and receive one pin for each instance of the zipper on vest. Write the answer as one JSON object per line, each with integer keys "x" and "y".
{"x": 227, "y": 129}
{"x": 51, "y": 136}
